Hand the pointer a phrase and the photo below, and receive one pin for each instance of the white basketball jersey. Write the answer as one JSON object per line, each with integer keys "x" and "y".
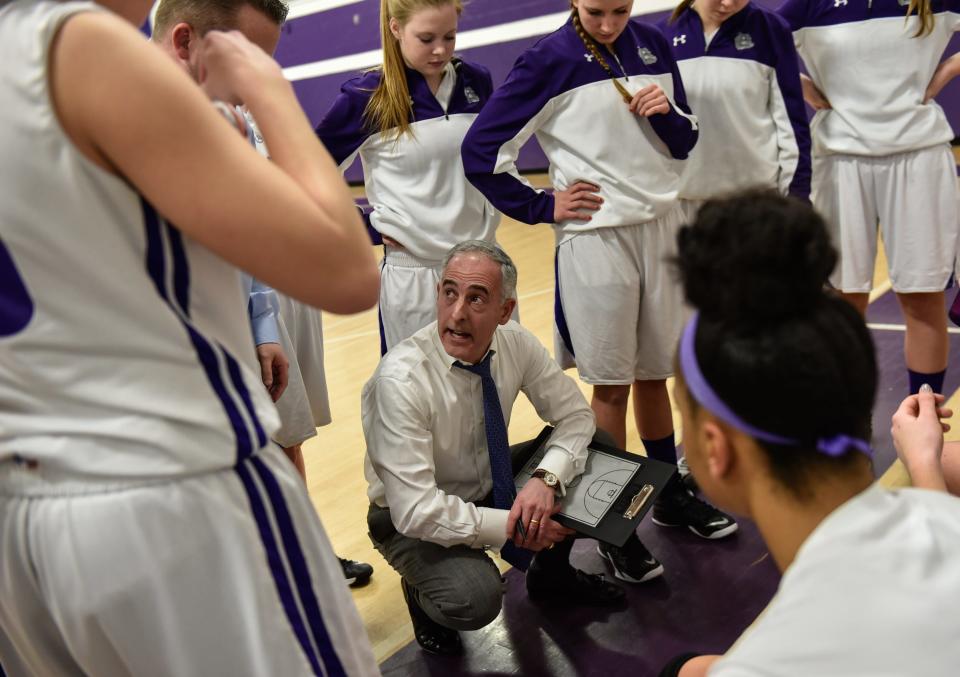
{"x": 125, "y": 350}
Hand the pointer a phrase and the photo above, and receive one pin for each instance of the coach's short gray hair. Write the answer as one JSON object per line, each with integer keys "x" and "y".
{"x": 508, "y": 271}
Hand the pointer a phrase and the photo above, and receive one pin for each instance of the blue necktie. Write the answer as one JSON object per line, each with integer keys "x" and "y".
{"x": 504, "y": 491}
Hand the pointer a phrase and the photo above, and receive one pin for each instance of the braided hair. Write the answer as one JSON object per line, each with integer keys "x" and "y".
{"x": 592, "y": 46}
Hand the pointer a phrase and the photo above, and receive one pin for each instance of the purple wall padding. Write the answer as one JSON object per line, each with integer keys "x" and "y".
{"x": 355, "y": 28}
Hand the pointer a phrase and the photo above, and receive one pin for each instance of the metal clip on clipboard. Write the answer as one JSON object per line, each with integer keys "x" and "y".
{"x": 638, "y": 501}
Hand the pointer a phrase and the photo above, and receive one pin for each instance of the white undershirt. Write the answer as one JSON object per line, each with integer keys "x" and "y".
{"x": 445, "y": 90}
{"x": 708, "y": 36}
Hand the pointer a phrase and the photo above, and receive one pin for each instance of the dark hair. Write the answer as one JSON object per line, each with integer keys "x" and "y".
{"x": 784, "y": 353}
{"x": 207, "y": 15}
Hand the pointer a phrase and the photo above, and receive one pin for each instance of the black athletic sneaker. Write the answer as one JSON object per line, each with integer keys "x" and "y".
{"x": 632, "y": 563}
{"x": 677, "y": 506}
{"x": 356, "y": 573}
{"x": 573, "y": 587}
{"x": 683, "y": 469}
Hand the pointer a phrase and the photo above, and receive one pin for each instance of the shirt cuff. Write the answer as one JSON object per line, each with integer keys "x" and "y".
{"x": 547, "y": 208}
{"x": 493, "y": 528}
{"x": 265, "y": 330}
{"x": 558, "y": 461}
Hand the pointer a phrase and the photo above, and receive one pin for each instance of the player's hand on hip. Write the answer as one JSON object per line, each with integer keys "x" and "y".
{"x": 274, "y": 368}
{"x": 945, "y": 72}
{"x": 812, "y": 94}
{"x": 651, "y": 100}
{"x": 570, "y": 204}
{"x": 227, "y": 65}
{"x": 391, "y": 242}
{"x": 532, "y": 506}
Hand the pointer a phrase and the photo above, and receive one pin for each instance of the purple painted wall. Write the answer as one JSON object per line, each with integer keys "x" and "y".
{"x": 355, "y": 28}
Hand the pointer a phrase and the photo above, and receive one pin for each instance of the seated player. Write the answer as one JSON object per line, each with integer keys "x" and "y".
{"x": 776, "y": 400}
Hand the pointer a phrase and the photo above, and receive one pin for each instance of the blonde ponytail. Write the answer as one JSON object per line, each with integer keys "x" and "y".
{"x": 925, "y": 14}
{"x": 389, "y": 107}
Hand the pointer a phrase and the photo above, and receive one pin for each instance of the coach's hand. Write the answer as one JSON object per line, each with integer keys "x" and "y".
{"x": 532, "y": 507}
{"x": 549, "y": 534}
{"x": 568, "y": 204}
{"x": 274, "y": 368}
{"x": 650, "y": 100}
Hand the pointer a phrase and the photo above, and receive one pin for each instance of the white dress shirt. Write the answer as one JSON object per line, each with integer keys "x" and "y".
{"x": 427, "y": 454}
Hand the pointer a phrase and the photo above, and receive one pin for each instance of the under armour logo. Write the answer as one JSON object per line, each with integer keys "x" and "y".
{"x": 682, "y": 39}
{"x": 588, "y": 56}
{"x": 837, "y": 3}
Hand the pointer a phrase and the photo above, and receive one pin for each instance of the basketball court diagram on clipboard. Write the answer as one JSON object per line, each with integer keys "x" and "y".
{"x": 589, "y": 496}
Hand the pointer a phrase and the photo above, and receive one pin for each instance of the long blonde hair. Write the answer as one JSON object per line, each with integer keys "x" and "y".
{"x": 389, "y": 107}
{"x": 925, "y": 14}
{"x": 592, "y": 46}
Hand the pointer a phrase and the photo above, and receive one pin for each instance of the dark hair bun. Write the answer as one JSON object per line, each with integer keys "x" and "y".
{"x": 754, "y": 258}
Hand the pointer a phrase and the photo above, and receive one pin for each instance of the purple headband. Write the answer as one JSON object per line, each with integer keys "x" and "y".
{"x": 697, "y": 386}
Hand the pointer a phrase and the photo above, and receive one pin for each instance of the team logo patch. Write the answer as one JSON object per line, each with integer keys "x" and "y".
{"x": 903, "y": 3}
{"x": 680, "y": 40}
{"x": 471, "y": 95}
{"x": 743, "y": 41}
{"x": 647, "y": 56}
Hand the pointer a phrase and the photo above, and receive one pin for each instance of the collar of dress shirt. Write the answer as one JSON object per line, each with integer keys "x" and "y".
{"x": 447, "y": 359}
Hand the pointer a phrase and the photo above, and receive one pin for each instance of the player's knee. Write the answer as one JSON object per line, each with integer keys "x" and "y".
{"x": 612, "y": 395}
{"x": 475, "y": 602}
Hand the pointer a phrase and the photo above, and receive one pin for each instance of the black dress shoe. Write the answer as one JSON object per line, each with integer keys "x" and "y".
{"x": 431, "y": 636}
{"x": 573, "y": 587}
{"x": 356, "y": 573}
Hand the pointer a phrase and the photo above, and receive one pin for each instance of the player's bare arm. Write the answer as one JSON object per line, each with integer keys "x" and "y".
{"x": 160, "y": 133}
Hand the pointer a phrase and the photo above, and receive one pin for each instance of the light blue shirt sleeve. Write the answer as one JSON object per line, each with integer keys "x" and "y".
{"x": 263, "y": 307}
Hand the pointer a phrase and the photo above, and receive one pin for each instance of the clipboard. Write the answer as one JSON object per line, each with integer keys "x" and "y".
{"x": 615, "y": 491}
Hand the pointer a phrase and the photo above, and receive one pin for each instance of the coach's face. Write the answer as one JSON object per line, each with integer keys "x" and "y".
{"x": 470, "y": 305}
